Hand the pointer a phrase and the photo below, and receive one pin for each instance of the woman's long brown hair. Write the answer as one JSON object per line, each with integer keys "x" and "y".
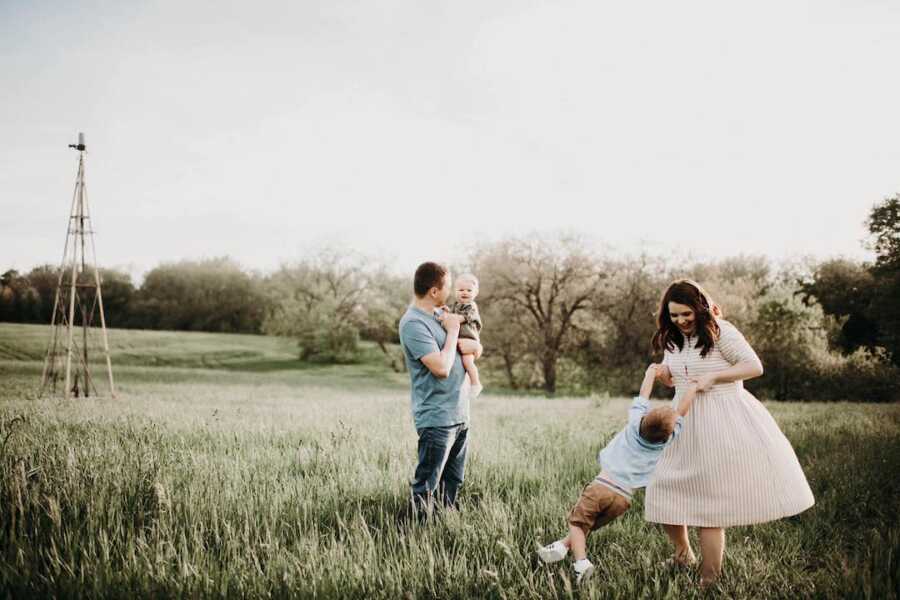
{"x": 668, "y": 336}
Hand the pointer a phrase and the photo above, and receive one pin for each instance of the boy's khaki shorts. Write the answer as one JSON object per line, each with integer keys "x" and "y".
{"x": 597, "y": 506}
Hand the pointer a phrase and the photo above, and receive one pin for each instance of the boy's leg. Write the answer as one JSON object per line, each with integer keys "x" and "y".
{"x": 468, "y": 361}
{"x": 577, "y": 542}
{"x": 433, "y": 449}
{"x": 597, "y": 506}
{"x": 555, "y": 551}
{"x": 455, "y": 469}
{"x": 678, "y": 535}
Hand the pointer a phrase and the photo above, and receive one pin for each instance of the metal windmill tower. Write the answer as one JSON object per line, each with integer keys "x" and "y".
{"x": 78, "y": 299}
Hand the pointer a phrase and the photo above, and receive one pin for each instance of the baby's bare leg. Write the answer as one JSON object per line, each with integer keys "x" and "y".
{"x": 468, "y": 361}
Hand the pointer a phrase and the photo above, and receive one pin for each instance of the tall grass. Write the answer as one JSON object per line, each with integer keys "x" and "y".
{"x": 201, "y": 482}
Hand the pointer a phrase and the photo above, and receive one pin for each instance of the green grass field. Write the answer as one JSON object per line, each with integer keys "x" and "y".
{"x": 225, "y": 468}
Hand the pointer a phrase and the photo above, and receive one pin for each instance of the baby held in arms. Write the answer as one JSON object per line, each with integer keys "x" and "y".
{"x": 470, "y": 328}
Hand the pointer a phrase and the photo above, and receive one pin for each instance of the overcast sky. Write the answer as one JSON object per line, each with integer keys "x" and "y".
{"x": 413, "y": 129}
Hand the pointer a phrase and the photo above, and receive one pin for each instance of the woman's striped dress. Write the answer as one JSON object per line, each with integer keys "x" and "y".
{"x": 731, "y": 465}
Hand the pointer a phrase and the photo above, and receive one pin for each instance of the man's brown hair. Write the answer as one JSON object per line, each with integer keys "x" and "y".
{"x": 428, "y": 275}
{"x": 658, "y": 424}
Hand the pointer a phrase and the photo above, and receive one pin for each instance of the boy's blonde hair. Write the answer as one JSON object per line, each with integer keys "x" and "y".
{"x": 658, "y": 424}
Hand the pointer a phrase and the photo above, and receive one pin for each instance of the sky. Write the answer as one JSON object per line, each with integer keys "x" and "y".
{"x": 411, "y": 131}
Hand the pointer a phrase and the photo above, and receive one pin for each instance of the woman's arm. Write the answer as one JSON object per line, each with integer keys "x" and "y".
{"x": 739, "y": 372}
{"x": 745, "y": 364}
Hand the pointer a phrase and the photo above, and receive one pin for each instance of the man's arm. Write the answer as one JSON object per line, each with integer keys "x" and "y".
{"x": 440, "y": 363}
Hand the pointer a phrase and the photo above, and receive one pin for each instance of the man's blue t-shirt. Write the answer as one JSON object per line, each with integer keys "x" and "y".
{"x": 435, "y": 402}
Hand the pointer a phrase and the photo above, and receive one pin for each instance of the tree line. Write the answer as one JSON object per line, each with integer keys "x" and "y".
{"x": 208, "y": 295}
{"x": 560, "y": 316}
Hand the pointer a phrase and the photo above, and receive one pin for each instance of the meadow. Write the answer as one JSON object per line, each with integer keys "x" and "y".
{"x": 226, "y": 468}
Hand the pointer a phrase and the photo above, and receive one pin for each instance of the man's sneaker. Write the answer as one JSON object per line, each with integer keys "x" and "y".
{"x": 475, "y": 391}
{"x": 555, "y": 552}
{"x": 583, "y": 571}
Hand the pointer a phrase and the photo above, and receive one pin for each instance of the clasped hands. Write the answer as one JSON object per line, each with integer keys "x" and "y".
{"x": 664, "y": 376}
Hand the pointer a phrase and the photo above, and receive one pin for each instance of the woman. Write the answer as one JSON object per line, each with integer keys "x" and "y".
{"x": 731, "y": 465}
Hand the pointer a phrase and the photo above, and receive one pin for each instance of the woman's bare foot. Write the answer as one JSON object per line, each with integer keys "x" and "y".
{"x": 681, "y": 561}
{"x": 685, "y": 557}
{"x": 708, "y": 577}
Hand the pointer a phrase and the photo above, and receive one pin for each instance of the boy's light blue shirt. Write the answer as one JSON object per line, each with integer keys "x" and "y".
{"x": 629, "y": 458}
{"x": 435, "y": 402}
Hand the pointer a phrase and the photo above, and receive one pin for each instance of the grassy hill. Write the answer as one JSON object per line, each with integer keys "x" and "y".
{"x": 142, "y": 355}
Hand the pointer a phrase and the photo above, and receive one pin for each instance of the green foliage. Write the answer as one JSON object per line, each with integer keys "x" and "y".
{"x": 865, "y": 297}
{"x": 845, "y": 290}
{"x": 30, "y": 298}
{"x": 784, "y": 340}
{"x": 19, "y": 301}
{"x": 319, "y": 302}
{"x": 207, "y": 295}
{"x": 560, "y": 316}
{"x": 210, "y": 483}
{"x": 615, "y": 345}
{"x": 542, "y": 288}
{"x": 884, "y": 228}
{"x": 386, "y": 298}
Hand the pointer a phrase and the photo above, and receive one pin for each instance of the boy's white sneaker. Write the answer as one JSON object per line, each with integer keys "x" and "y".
{"x": 475, "y": 391}
{"x": 583, "y": 570}
{"x": 554, "y": 552}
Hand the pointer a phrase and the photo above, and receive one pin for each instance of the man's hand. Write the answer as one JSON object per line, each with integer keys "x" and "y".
{"x": 450, "y": 321}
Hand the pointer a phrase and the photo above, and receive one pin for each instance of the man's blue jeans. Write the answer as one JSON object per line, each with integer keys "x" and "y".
{"x": 442, "y": 465}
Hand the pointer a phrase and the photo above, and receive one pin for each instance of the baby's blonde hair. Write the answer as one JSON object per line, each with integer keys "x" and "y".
{"x": 468, "y": 276}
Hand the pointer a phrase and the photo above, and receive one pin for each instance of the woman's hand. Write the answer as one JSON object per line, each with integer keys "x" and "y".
{"x": 705, "y": 383}
{"x": 664, "y": 375}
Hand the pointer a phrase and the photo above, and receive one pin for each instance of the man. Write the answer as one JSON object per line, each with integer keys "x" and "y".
{"x": 429, "y": 335}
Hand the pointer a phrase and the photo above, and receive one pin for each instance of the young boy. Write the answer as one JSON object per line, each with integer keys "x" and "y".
{"x": 626, "y": 464}
{"x": 466, "y": 292}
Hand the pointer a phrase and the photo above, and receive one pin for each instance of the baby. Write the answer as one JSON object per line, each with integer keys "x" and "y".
{"x": 466, "y": 292}
{"x": 626, "y": 464}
